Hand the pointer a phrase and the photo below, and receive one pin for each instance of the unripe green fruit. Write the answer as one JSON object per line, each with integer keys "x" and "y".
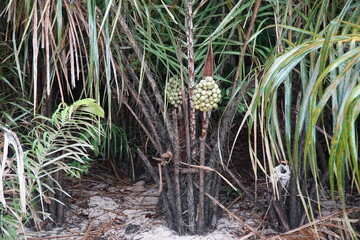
{"x": 173, "y": 92}
{"x": 206, "y": 94}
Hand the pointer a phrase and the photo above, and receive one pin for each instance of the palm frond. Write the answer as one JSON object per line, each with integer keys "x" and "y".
{"x": 47, "y": 149}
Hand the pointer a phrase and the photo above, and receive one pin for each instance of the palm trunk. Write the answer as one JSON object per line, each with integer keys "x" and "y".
{"x": 190, "y": 118}
{"x": 191, "y": 74}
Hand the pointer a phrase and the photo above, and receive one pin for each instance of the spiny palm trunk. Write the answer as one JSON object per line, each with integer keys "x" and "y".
{"x": 189, "y": 106}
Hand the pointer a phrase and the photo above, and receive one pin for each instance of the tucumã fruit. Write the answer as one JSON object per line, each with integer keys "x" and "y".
{"x": 206, "y": 95}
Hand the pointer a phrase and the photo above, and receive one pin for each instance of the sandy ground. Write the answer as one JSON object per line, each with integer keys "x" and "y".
{"x": 106, "y": 211}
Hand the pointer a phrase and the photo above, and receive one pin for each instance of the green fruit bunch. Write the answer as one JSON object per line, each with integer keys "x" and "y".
{"x": 206, "y": 95}
{"x": 173, "y": 92}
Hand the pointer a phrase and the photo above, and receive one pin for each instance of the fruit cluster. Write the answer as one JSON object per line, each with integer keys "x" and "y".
{"x": 206, "y": 94}
{"x": 173, "y": 92}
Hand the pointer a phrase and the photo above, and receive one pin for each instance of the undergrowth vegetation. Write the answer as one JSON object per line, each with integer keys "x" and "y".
{"x": 31, "y": 160}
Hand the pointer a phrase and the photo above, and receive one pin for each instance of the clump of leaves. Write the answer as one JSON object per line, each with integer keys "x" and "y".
{"x": 79, "y": 168}
{"x": 39, "y": 154}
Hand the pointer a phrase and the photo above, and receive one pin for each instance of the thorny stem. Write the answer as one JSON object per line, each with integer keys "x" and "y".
{"x": 191, "y": 70}
{"x": 190, "y": 124}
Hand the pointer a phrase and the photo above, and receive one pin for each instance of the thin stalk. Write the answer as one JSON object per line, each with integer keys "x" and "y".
{"x": 35, "y": 56}
{"x": 201, "y": 220}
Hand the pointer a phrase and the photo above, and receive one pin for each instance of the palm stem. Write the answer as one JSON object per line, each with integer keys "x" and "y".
{"x": 191, "y": 71}
{"x": 201, "y": 221}
{"x": 176, "y": 157}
